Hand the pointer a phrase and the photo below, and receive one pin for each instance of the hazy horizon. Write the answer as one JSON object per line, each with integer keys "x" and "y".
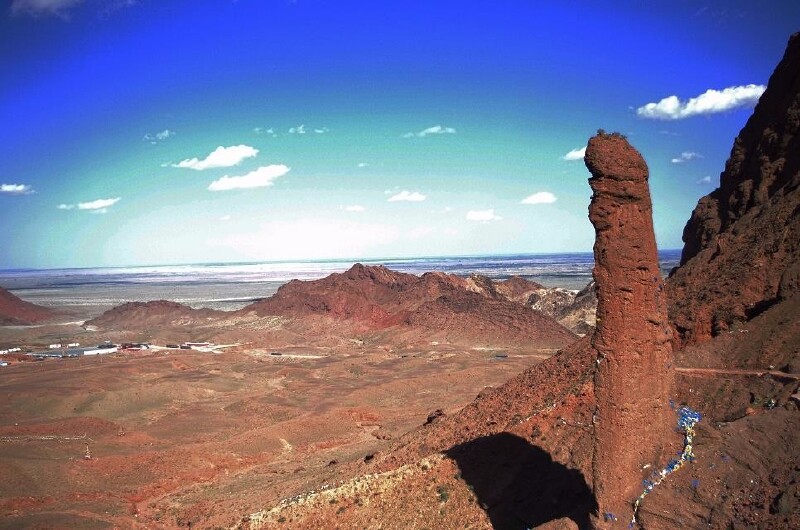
{"x": 352, "y": 260}
{"x": 140, "y": 133}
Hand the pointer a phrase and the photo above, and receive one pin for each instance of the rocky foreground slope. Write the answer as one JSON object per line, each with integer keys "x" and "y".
{"x": 521, "y": 455}
{"x": 15, "y": 311}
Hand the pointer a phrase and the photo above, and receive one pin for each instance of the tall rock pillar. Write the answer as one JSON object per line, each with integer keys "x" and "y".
{"x": 633, "y": 385}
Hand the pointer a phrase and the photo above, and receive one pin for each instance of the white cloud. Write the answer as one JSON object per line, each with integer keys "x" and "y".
{"x": 576, "y": 154}
{"x": 154, "y": 138}
{"x": 262, "y": 130}
{"x": 709, "y": 102}
{"x": 300, "y": 129}
{"x": 362, "y": 164}
{"x": 354, "y": 208}
{"x": 436, "y": 129}
{"x": 705, "y": 180}
{"x": 43, "y": 7}
{"x": 540, "y": 197}
{"x": 95, "y": 206}
{"x": 482, "y": 215}
{"x": 98, "y": 205}
{"x": 16, "y": 189}
{"x": 323, "y": 130}
{"x": 685, "y": 157}
{"x": 259, "y": 178}
{"x": 225, "y": 218}
{"x": 220, "y": 157}
{"x": 409, "y": 196}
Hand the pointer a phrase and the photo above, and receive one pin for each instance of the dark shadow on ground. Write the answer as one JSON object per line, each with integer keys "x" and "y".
{"x": 519, "y": 485}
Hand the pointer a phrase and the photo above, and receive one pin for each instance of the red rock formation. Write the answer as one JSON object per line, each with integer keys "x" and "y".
{"x": 742, "y": 243}
{"x": 376, "y": 298}
{"x": 154, "y": 314}
{"x": 15, "y": 311}
{"x": 633, "y": 384}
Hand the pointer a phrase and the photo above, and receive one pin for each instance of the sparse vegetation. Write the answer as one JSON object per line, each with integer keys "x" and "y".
{"x": 443, "y": 493}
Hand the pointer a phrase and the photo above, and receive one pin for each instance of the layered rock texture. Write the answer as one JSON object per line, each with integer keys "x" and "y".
{"x": 633, "y": 384}
{"x": 15, "y": 311}
{"x": 742, "y": 243}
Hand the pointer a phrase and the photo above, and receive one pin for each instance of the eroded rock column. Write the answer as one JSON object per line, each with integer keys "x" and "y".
{"x": 633, "y": 422}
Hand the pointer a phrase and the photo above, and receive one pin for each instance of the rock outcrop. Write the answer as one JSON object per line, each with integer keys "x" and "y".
{"x": 742, "y": 243}
{"x": 633, "y": 383}
{"x": 574, "y": 311}
{"x": 16, "y": 311}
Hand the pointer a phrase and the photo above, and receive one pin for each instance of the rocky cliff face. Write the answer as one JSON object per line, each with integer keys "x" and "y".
{"x": 633, "y": 384}
{"x": 742, "y": 243}
{"x": 15, "y": 311}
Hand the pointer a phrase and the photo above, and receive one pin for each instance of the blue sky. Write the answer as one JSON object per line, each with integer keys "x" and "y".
{"x": 160, "y": 132}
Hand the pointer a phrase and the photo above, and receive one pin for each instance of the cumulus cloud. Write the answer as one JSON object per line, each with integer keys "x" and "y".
{"x": 576, "y": 154}
{"x": 408, "y": 196}
{"x": 685, "y": 157}
{"x": 300, "y": 129}
{"x": 705, "y": 180}
{"x": 322, "y": 130}
{"x": 362, "y": 164}
{"x": 540, "y": 197}
{"x": 220, "y": 157}
{"x": 43, "y": 7}
{"x": 154, "y": 138}
{"x": 16, "y": 189}
{"x": 483, "y": 215}
{"x": 709, "y": 102}
{"x": 95, "y": 206}
{"x": 259, "y": 178}
{"x": 354, "y": 208}
{"x": 436, "y": 129}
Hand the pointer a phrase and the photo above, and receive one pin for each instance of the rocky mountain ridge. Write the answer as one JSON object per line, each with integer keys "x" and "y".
{"x": 742, "y": 243}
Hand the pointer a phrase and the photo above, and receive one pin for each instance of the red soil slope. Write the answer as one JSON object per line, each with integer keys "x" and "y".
{"x": 155, "y": 314}
{"x": 15, "y": 311}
